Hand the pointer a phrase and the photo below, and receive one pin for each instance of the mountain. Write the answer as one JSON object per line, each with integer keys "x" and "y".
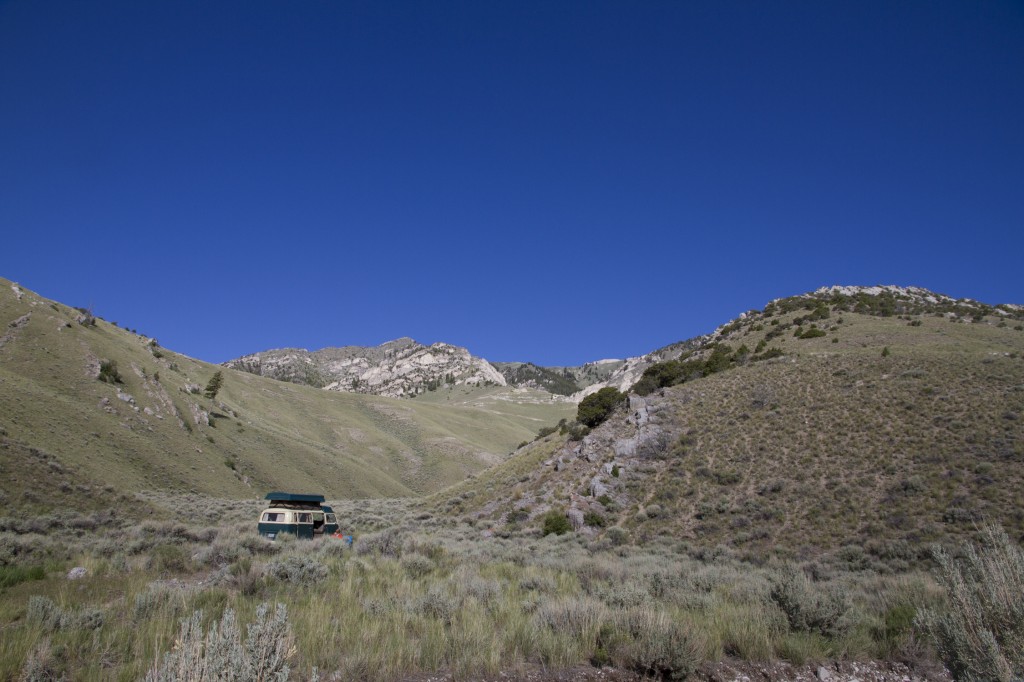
{"x": 872, "y": 417}
{"x": 864, "y": 422}
{"x": 400, "y": 368}
{"x": 90, "y": 411}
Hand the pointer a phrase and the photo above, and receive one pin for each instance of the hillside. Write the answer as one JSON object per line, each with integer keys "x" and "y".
{"x": 867, "y": 422}
{"x": 152, "y": 428}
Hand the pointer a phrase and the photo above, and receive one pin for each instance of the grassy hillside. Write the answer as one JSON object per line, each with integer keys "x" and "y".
{"x": 870, "y": 440}
{"x": 766, "y": 511}
{"x": 152, "y": 427}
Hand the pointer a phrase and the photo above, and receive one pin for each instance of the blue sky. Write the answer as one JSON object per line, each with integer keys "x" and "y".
{"x": 548, "y": 181}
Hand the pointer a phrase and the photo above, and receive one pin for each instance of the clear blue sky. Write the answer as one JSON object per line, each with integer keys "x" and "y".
{"x": 548, "y": 181}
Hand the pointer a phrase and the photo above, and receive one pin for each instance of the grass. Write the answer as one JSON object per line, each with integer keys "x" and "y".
{"x": 434, "y": 598}
{"x": 153, "y": 430}
{"x": 782, "y": 509}
{"x": 829, "y": 452}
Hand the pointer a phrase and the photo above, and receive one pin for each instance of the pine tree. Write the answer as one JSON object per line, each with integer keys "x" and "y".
{"x": 214, "y": 386}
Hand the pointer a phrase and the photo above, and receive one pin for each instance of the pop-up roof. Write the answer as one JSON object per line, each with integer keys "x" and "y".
{"x": 295, "y": 498}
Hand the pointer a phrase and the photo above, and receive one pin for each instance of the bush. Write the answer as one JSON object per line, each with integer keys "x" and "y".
{"x": 555, "y": 521}
{"x": 219, "y": 654}
{"x": 298, "y": 570}
{"x": 416, "y": 565}
{"x": 109, "y": 373}
{"x": 385, "y": 543}
{"x": 653, "y": 644}
{"x": 577, "y": 431}
{"x": 981, "y": 636}
{"x": 807, "y": 607}
{"x": 597, "y": 407}
{"x": 12, "y": 575}
{"x": 618, "y": 535}
{"x": 44, "y": 613}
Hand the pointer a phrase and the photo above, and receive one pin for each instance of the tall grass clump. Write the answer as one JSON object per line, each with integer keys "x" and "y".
{"x": 981, "y": 635}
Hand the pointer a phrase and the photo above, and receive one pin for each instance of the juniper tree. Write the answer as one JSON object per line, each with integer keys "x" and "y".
{"x": 214, "y": 386}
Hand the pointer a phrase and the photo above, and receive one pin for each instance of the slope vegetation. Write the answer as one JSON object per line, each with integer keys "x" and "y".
{"x": 149, "y": 426}
{"x": 895, "y": 423}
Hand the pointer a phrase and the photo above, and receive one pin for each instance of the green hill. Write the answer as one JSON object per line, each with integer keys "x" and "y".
{"x": 152, "y": 428}
{"x": 894, "y": 423}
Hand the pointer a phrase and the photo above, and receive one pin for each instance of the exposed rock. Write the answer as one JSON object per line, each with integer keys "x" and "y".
{"x": 399, "y": 368}
{"x": 626, "y": 447}
{"x": 200, "y": 416}
{"x": 14, "y": 327}
{"x": 597, "y": 487}
{"x": 77, "y": 573}
{"x": 575, "y": 518}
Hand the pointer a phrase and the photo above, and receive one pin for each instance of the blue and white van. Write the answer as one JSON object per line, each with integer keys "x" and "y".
{"x": 301, "y": 515}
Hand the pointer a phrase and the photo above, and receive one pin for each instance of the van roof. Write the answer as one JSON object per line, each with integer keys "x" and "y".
{"x": 293, "y": 497}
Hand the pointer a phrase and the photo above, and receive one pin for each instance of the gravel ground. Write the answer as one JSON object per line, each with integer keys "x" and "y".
{"x": 727, "y": 671}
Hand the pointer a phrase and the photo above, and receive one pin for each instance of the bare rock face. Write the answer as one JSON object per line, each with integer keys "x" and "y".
{"x": 399, "y": 368}
{"x": 576, "y": 518}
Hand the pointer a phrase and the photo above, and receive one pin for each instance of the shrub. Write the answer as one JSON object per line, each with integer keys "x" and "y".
{"x": 981, "y": 636}
{"x": 44, "y": 613}
{"x": 807, "y": 607}
{"x": 298, "y": 570}
{"x": 109, "y": 373}
{"x": 651, "y": 643}
{"x": 618, "y": 535}
{"x": 597, "y": 407}
{"x": 385, "y": 543}
{"x": 577, "y": 431}
{"x": 555, "y": 521}
{"x": 545, "y": 431}
{"x": 12, "y": 575}
{"x": 219, "y": 654}
{"x": 416, "y": 565}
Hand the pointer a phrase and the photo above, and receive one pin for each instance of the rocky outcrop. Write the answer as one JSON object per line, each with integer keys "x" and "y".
{"x": 399, "y": 368}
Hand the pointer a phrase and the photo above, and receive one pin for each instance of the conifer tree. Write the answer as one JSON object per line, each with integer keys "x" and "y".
{"x": 215, "y": 383}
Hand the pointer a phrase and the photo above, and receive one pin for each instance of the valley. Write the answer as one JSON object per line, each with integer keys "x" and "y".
{"x": 771, "y": 492}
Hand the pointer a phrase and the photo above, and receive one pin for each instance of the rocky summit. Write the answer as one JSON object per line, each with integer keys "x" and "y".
{"x": 399, "y": 368}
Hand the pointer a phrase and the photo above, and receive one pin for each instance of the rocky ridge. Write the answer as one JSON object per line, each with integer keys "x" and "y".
{"x": 880, "y": 300}
{"x": 405, "y": 368}
{"x": 399, "y": 368}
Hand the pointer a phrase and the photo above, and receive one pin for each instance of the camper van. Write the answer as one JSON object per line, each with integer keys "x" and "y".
{"x": 303, "y": 516}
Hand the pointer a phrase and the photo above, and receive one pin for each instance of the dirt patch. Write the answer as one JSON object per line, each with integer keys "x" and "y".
{"x": 721, "y": 671}
{"x": 835, "y": 671}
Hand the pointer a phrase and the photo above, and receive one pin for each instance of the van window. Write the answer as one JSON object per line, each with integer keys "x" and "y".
{"x": 305, "y": 517}
{"x": 274, "y": 517}
{"x": 331, "y": 518}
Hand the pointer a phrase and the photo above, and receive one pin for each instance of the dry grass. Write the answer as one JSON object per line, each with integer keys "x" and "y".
{"x": 435, "y": 597}
{"x": 830, "y": 449}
